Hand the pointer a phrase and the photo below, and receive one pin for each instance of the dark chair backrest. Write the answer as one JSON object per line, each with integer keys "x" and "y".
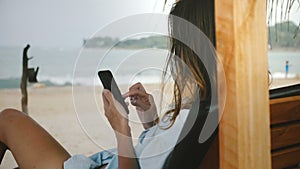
{"x": 285, "y": 126}
{"x": 285, "y": 135}
{"x": 189, "y": 153}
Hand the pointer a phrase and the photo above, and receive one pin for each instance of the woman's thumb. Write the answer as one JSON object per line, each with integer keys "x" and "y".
{"x": 108, "y": 95}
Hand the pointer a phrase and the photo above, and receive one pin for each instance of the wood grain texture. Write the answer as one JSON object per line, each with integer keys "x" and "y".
{"x": 286, "y": 158}
{"x": 284, "y": 99}
{"x": 242, "y": 46}
{"x": 284, "y": 110}
{"x": 23, "y": 85}
{"x": 285, "y": 131}
{"x": 286, "y": 135}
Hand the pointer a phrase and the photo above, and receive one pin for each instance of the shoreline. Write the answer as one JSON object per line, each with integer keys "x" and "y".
{"x": 277, "y": 82}
{"x": 288, "y": 50}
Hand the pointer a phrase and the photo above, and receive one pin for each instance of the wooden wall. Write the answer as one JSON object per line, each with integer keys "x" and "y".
{"x": 241, "y": 32}
{"x": 285, "y": 131}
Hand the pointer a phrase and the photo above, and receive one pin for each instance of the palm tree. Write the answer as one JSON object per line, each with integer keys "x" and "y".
{"x": 281, "y": 9}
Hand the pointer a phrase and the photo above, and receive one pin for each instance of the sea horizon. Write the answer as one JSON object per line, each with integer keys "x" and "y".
{"x": 57, "y": 65}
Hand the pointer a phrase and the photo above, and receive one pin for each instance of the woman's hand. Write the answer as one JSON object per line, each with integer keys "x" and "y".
{"x": 118, "y": 119}
{"x": 115, "y": 113}
{"x": 144, "y": 104}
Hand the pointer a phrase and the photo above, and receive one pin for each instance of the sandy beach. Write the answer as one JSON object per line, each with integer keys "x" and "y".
{"x": 276, "y": 83}
{"x": 53, "y": 108}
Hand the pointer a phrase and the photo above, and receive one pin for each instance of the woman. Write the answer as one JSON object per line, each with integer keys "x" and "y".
{"x": 33, "y": 147}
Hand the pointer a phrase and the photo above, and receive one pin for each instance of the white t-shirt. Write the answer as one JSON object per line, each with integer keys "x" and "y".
{"x": 154, "y": 146}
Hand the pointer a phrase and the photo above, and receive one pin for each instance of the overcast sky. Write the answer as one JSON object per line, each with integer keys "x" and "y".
{"x": 64, "y": 23}
{"x": 57, "y": 23}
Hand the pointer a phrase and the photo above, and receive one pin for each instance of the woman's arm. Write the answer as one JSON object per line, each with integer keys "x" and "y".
{"x": 118, "y": 120}
{"x": 127, "y": 157}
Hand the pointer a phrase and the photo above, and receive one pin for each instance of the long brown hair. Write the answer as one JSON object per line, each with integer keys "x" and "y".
{"x": 199, "y": 14}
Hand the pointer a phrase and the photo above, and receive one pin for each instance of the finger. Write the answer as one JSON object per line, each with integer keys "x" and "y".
{"x": 137, "y": 86}
{"x": 151, "y": 98}
{"x": 105, "y": 104}
{"x": 105, "y": 101}
{"x": 125, "y": 95}
{"x": 120, "y": 109}
{"x": 137, "y": 93}
{"x": 109, "y": 97}
{"x": 133, "y": 101}
{"x": 140, "y": 103}
{"x": 139, "y": 109}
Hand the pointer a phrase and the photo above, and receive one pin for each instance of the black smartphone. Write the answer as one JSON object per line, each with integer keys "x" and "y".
{"x": 109, "y": 83}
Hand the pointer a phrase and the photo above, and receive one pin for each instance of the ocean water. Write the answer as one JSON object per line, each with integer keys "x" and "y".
{"x": 277, "y": 61}
{"x": 59, "y": 67}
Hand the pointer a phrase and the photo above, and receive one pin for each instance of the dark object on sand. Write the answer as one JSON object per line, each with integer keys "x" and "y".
{"x": 32, "y": 75}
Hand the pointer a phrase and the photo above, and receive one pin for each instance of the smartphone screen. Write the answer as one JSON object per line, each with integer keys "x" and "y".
{"x": 109, "y": 83}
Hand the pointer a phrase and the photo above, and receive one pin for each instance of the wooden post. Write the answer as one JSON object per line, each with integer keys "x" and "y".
{"x": 24, "y": 100}
{"x": 241, "y": 34}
